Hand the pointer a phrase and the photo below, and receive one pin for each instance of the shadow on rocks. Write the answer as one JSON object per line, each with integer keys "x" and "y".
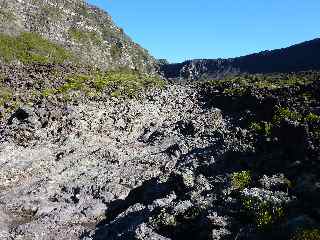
{"x": 123, "y": 228}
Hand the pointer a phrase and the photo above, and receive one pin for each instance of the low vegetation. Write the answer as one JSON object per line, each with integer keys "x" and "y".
{"x": 241, "y": 180}
{"x": 265, "y": 128}
{"x": 285, "y": 113}
{"x": 31, "y": 48}
{"x": 262, "y": 128}
{"x": 307, "y": 234}
{"x": 69, "y": 82}
{"x": 7, "y": 16}
{"x": 120, "y": 83}
{"x": 54, "y": 13}
{"x": 164, "y": 219}
{"x": 264, "y": 214}
{"x": 85, "y": 37}
{"x": 240, "y": 84}
{"x": 312, "y": 118}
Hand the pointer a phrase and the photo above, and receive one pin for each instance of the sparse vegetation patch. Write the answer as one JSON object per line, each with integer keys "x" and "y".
{"x": 31, "y": 48}
{"x": 263, "y": 213}
{"x": 117, "y": 83}
{"x": 85, "y": 37}
{"x": 241, "y": 180}
{"x": 307, "y": 234}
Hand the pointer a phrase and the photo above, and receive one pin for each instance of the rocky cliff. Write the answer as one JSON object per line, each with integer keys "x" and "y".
{"x": 86, "y": 31}
{"x": 300, "y": 57}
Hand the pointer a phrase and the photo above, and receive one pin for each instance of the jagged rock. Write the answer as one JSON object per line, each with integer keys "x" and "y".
{"x": 145, "y": 233}
{"x": 275, "y": 183}
{"x": 220, "y": 234}
{"x": 81, "y": 165}
{"x": 275, "y": 198}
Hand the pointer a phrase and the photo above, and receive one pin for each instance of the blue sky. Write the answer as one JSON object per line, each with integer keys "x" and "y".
{"x": 186, "y": 29}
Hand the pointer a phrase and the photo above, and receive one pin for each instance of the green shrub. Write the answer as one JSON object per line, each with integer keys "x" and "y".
{"x": 239, "y": 91}
{"x": 48, "y": 92}
{"x": 263, "y": 128}
{"x": 237, "y": 85}
{"x": 125, "y": 83}
{"x": 84, "y": 36}
{"x": 316, "y": 133}
{"x": 307, "y": 234}
{"x": 264, "y": 214}
{"x": 84, "y": 11}
{"x": 5, "y": 95}
{"x": 7, "y": 16}
{"x": 267, "y": 216}
{"x": 285, "y": 113}
{"x": 118, "y": 83}
{"x": 76, "y": 82}
{"x": 311, "y": 117}
{"x": 54, "y": 13}
{"x": 241, "y": 180}
{"x": 31, "y": 48}
{"x": 163, "y": 219}
{"x": 307, "y": 96}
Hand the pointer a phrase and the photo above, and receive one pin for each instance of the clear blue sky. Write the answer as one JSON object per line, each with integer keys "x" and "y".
{"x": 186, "y": 29}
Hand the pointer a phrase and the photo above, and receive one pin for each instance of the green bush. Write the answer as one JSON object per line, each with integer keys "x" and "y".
{"x": 7, "y": 16}
{"x": 5, "y": 95}
{"x": 118, "y": 83}
{"x": 239, "y": 84}
{"x": 76, "y": 82}
{"x": 31, "y": 48}
{"x": 284, "y": 113}
{"x": 263, "y": 128}
{"x": 307, "y": 234}
{"x": 264, "y": 214}
{"x": 52, "y": 12}
{"x": 241, "y": 180}
{"x": 164, "y": 219}
{"x": 311, "y": 117}
{"x": 239, "y": 91}
{"x": 125, "y": 83}
{"x": 85, "y": 37}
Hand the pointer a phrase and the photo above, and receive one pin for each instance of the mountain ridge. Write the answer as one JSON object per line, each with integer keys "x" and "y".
{"x": 298, "y": 57}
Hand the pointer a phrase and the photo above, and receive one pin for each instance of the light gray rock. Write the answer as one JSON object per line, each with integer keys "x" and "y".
{"x": 145, "y": 233}
{"x": 70, "y": 173}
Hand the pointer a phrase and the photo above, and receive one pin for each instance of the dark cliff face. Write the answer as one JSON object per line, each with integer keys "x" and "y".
{"x": 85, "y": 30}
{"x": 300, "y": 57}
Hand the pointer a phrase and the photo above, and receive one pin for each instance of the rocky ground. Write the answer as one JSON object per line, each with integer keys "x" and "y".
{"x": 188, "y": 161}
